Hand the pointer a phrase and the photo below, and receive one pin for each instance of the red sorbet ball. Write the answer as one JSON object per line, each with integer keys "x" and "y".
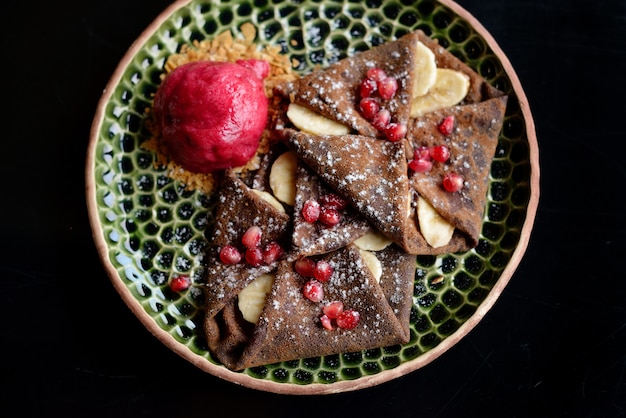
{"x": 212, "y": 114}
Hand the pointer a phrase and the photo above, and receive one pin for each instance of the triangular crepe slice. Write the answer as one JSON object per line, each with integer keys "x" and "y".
{"x": 289, "y": 327}
{"x": 239, "y": 208}
{"x": 333, "y": 91}
{"x": 479, "y": 89}
{"x": 472, "y": 147}
{"x": 369, "y": 173}
{"x": 312, "y": 238}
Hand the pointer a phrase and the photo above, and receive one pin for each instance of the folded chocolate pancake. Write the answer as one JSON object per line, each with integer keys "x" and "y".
{"x": 479, "y": 89}
{"x": 238, "y": 209}
{"x": 290, "y": 328}
{"x": 369, "y": 173}
{"x": 333, "y": 91}
{"x": 313, "y": 238}
{"x": 472, "y": 144}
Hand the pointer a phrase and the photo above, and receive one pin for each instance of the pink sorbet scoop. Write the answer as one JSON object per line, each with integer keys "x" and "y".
{"x": 212, "y": 114}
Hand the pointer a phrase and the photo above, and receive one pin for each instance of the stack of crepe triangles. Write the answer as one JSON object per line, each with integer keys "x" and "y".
{"x": 372, "y": 175}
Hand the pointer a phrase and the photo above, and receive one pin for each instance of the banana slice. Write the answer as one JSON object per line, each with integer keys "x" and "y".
{"x": 449, "y": 89}
{"x": 252, "y": 297}
{"x": 308, "y": 121}
{"x": 436, "y": 230}
{"x": 373, "y": 263}
{"x": 283, "y": 177}
{"x": 425, "y": 70}
{"x": 372, "y": 241}
{"x": 269, "y": 198}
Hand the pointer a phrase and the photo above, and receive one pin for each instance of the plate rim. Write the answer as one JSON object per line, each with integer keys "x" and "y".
{"x": 251, "y": 382}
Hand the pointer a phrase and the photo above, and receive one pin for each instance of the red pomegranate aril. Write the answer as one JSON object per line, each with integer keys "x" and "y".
{"x": 367, "y": 88}
{"x": 421, "y": 153}
{"x": 313, "y": 291}
{"x": 180, "y": 283}
{"x": 395, "y": 131}
{"x": 440, "y": 153}
{"x": 326, "y": 322}
{"x": 254, "y": 256}
{"x": 334, "y": 201}
{"x": 446, "y": 126}
{"x": 230, "y": 254}
{"x": 376, "y": 74}
{"x": 387, "y": 88}
{"x": 329, "y": 216}
{"x": 252, "y": 237}
{"x": 333, "y": 309}
{"x": 273, "y": 251}
{"x": 421, "y": 166}
{"x": 381, "y": 119}
{"x": 452, "y": 182}
{"x": 305, "y": 267}
{"x": 323, "y": 271}
{"x": 310, "y": 211}
{"x": 348, "y": 319}
{"x": 369, "y": 107}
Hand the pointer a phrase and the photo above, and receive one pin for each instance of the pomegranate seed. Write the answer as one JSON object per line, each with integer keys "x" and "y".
{"x": 313, "y": 291}
{"x": 440, "y": 153}
{"x": 252, "y": 237}
{"x": 333, "y": 309}
{"x": 180, "y": 283}
{"x": 367, "y": 88}
{"x": 305, "y": 267}
{"x": 452, "y": 182}
{"x": 422, "y": 153}
{"x": 395, "y": 131}
{"x": 387, "y": 87}
{"x": 376, "y": 74}
{"x": 254, "y": 256}
{"x": 230, "y": 255}
{"x": 323, "y": 271}
{"x": 421, "y": 166}
{"x": 447, "y": 125}
{"x": 369, "y": 107}
{"x": 311, "y": 210}
{"x": 332, "y": 200}
{"x": 348, "y": 319}
{"x": 326, "y": 322}
{"x": 272, "y": 252}
{"x": 381, "y": 119}
{"x": 329, "y": 216}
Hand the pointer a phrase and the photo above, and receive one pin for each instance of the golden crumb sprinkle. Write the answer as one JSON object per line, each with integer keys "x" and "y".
{"x": 225, "y": 47}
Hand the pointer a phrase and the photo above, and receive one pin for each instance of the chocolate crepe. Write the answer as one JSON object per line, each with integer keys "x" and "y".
{"x": 289, "y": 327}
{"x": 368, "y": 172}
{"x": 472, "y": 147}
{"x": 333, "y": 91}
{"x": 238, "y": 209}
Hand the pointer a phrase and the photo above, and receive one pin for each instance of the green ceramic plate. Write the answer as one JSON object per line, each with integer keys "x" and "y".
{"x": 147, "y": 228}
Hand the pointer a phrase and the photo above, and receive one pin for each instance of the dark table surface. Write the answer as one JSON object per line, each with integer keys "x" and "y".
{"x": 553, "y": 345}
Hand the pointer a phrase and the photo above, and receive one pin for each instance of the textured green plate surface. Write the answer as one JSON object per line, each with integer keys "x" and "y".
{"x": 148, "y": 229}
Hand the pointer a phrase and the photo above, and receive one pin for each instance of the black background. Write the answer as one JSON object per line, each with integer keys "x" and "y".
{"x": 553, "y": 345}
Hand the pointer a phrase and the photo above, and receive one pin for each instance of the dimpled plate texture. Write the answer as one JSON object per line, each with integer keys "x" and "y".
{"x": 150, "y": 229}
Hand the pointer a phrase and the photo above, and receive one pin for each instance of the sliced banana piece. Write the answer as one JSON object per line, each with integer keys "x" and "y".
{"x": 269, "y": 198}
{"x": 252, "y": 297}
{"x": 425, "y": 70}
{"x": 372, "y": 241}
{"x": 309, "y": 121}
{"x": 449, "y": 89}
{"x": 373, "y": 263}
{"x": 283, "y": 177}
{"x": 436, "y": 230}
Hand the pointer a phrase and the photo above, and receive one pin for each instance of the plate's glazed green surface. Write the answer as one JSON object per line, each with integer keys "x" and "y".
{"x": 154, "y": 229}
